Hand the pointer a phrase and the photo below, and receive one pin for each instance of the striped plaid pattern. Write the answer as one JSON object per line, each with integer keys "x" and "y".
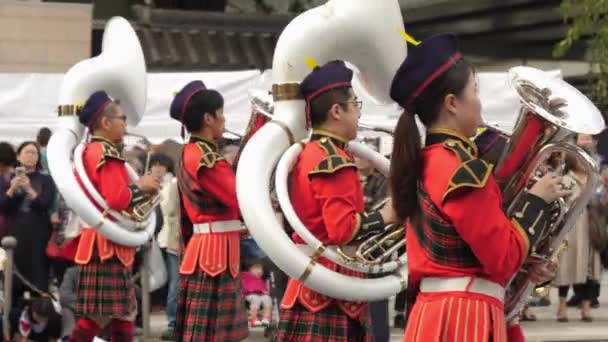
{"x": 439, "y": 238}
{"x": 188, "y": 183}
{"x": 210, "y": 308}
{"x": 190, "y": 188}
{"x": 328, "y": 325}
{"x": 105, "y": 289}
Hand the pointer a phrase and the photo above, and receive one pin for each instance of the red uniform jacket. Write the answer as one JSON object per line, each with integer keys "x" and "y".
{"x": 213, "y": 252}
{"x": 465, "y": 195}
{"x": 106, "y": 170}
{"x": 461, "y": 230}
{"x": 328, "y": 197}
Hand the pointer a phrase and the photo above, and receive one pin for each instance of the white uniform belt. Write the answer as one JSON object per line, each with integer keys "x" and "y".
{"x": 218, "y": 227}
{"x": 463, "y": 284}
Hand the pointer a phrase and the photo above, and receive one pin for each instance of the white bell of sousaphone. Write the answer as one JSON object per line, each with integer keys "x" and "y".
{"x": 120, "y": 70}
{"x": 366, "y": 34}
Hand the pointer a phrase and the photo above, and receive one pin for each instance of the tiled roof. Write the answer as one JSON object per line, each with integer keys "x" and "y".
{"x": 183, "y": 40}
{"x": 176, "y": 40}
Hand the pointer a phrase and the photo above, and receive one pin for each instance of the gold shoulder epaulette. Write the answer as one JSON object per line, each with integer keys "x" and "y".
{"x": 208, "y": 155}
{"x": 109, "y": 151}
{"x": 462, "y": 152}
{"x": 473, "y": 173}
{"x": 333, "y": 162}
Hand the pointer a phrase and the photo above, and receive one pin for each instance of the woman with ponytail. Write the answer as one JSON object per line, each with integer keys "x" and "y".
{"x": 462, "y": 248}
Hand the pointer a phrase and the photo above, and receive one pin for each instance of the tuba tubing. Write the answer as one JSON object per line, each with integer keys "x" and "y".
{"x": 284, "y": 167}
{"x": 120, "y": 69}
{"x": 377, "y": 49}
{"x": 276, "y": 243}
{"x": 78, "y": 201}
{"x": 122, "y": 219}
{"x": 380, "y": 163}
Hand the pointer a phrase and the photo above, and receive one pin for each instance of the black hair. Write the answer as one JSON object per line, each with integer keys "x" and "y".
{"x": 162, "y": 160}
{"x": 207, "y": 101}
{"x": 320, "y": 106}
{"x": 249, "y": 263}
{"x": 27, "y": 143}
{"x": 43, "y": 136}
{"x": 42, "y": 306}
{"x": 406, "y": 162}
{"x": 8, "y": 157}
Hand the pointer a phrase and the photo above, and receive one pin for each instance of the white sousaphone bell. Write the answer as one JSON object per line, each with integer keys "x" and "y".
{"x": 120, "y": 70}
{"x": 368, "y": 34}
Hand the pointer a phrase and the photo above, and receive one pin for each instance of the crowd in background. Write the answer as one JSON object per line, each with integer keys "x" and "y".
{"x": 32, "y": 210}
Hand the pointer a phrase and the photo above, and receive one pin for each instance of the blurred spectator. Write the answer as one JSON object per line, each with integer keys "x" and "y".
{"x": 256, "y": 293}
{"x": 68, "y": 296}
{"x": 375, "y": 191}
{"x": 8, "y": 160}
{"x": 42, "y": 138}
{"x": 168, "y": 238}
{"x": 249, "y": 248}
{"x": 374, "y": 183}
{"x": 580, "y": 264}
{"x": 59, "y": 221}
{"x": 596, "y": 147}
{"x": 136, "y": 164}
{"x": 172, "y": 149}
{"x": 26, "y": 204}
{"x": 229, "y": 152}
{"x": 39, "y": 321}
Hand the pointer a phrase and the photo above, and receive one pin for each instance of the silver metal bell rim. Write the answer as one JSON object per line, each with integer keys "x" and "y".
{"x": 578, "y": 115}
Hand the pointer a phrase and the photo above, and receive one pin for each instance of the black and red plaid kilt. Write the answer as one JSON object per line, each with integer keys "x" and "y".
{"x": 105, "y": 289}
{"x": 210, "y": 308}
{"x": 328, "y": 325}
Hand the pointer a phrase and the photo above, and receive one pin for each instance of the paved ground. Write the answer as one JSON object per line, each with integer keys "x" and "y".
{"x": 546, "y": 329}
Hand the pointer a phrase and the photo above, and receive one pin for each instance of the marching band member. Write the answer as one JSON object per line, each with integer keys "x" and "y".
{"x": 210, "y": 304}
{"x": 328, "y": 197}
{"x": 462, "y": 249}
{"x": 105, "y": 289}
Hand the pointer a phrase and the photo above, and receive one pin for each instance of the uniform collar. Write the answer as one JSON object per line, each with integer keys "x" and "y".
{"x": 105, "y": 141}
{"x": 113, "y": 149}
{"x": 212, "y": 144}
{"x": 439, "y": 135}
{"x": 339, "y": 141}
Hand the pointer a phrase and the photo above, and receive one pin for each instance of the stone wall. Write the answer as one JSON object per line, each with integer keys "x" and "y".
{"x": 43, "y": 37}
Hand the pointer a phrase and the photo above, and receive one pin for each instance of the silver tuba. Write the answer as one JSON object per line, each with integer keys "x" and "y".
{"x": 542, "y": 130}
{"x": 120, "y": 70}
{"x": 366, "y": 34}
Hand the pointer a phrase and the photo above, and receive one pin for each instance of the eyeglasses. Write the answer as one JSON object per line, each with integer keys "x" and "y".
{"x": 119, "y": 117}
{"x": 358, "y": 104}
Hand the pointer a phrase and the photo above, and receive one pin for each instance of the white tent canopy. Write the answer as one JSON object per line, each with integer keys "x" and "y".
{"x": 28, "y": 102}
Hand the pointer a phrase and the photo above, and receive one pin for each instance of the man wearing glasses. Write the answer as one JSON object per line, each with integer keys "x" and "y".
{"x": 105, "y": 291}
{"x": 328, "y": 197}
